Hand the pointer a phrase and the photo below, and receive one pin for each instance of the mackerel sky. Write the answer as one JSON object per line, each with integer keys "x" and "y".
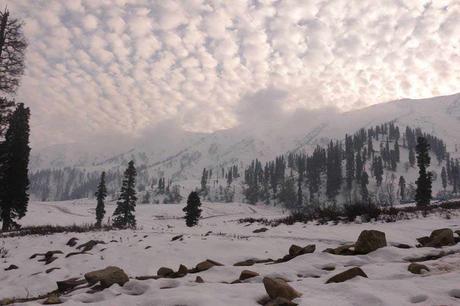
{"x": 123, "y": 66}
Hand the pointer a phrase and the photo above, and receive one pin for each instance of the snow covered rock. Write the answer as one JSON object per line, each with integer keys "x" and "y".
{"x": 417, "y": 268}
{"x": 369, "y": 241}
{"x": 441, "y": 237}
{"x": 347, "y": 275}
{"x": 278, "y": 288}
{"x": 347, "y": 249}
{"x": 107, "y": 277}
{"x": 88, "y": 246}
{"x": 11, "y": 267}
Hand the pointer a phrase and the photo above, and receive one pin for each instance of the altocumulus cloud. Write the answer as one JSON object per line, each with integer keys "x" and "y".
{"x": 123, "y": 65}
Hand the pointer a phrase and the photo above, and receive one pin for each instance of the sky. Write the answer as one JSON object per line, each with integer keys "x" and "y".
{"x": 120, "y": 67}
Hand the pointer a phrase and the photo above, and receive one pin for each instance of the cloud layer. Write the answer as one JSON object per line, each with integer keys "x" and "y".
{"x": 123, "y": 65}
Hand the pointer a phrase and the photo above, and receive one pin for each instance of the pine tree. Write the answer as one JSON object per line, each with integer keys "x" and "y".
{"x": 411, "y": 156}
{"x": 423, "y": 191}
{"x": 378, "y": 170}
{"x": 444, "y": 178}
{"x": 192, "y": 210}
{"x": 126, "y": 204}
{"x": 364, "y": 180}
{"x": 402, "y": 188}
{"x": 101, "y": 194}
{"x": 14, "y": 161}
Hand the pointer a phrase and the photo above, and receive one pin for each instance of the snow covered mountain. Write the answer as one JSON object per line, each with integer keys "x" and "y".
{"x": 180, "y": 156}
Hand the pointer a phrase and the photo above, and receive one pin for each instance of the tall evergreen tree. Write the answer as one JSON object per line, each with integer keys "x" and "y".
{"x": 14, "y": 161}
{"x": 101, "y": 194}
{"x": 402, "y": 187}
{"x": 364, "y": 180}
{"x": 444, "y": 178}
{"x": 423, "y": 191}
{"x": 123, "y": 216}
{"x": 192, "y": 210}
{"x": 378, "y": 170}
{"x": 411, "y": 156}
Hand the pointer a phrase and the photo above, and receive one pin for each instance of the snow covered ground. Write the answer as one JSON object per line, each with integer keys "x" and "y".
{"x": 389, "y": 282}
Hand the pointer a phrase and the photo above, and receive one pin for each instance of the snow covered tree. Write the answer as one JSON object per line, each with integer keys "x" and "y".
{"x": 402, "y": 188}
{"x": 192, "y": 210}
{"x": 423, "y": 191}
{"x": 378, "y": 170}
{"x": 364, "y": 180}
{"x": 123, "y": 216}
{"x": 12, "y": 49}
{"x": 444, "y": 178}
{"x": 411, "y": 156}
{"x": 14, "y": 161}
{"x": 101, "y": 194}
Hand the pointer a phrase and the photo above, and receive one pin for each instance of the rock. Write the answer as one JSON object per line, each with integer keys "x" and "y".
{"x": 52, "y": 299}
{"x": 402, "y": 246}
{"x": 245, "y": 263}
{"x": 260, "y": 230}
{"x": 206, "y": 265}
{"x": 208, "y": 233}
{"x": 347, "y": 275}
{"x": 251, "y": 262}
{"x": 75, "y": 253}
{"x": 148, "y": 247}
{"x": 347, "y": 249}
{"x": 329, "y": 267}
{"x": 11, "y": 267}
{"x": 72, "y": 242}
{"x": 245, "y": 274}
{"x": 441, "y": 237}
{"x": 88, "y": 246}
{"x": 369, "y": 241}
{"x": 279, "y": 301}
{"x": 199, "y": 279}
{"x": 278, "y": 288}
{"x": 296, "y": 250}
{"x": 417, "y": 268}
{"x": 107, "y": 277}
{"x": 69, "y": 284}
{"x": 49, "y": 256}
{"x": 177, "y": 237}
{"x": 51, "y": 270}
{"x": 165, "y": 272}
{"x": 423, "y": 240}
{"x": 457, "y": 232}
{"x": 181, "y": 272}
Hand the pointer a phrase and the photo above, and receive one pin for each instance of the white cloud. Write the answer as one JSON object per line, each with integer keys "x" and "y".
{"x": 120, "y": 66}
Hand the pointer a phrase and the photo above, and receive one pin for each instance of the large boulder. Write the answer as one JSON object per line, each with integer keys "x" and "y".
{"x": 417, "y": 268}
{"x": 278, "y": 288}
{"x": 181, "y": 272}
{"x": 245, "y": 274}
{"x": 107, "y": 277}
{"x": 441, "y": 237}
{"x": 369, "y": 241}
{"x": 347, "y": 275}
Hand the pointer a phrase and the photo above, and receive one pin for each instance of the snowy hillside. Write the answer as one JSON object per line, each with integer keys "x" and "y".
{"x": 181, "y": 156}
{"x": 221, "y": 238}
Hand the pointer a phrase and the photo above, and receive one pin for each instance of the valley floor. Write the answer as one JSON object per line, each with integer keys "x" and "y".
{"x": 388, "y": 282}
